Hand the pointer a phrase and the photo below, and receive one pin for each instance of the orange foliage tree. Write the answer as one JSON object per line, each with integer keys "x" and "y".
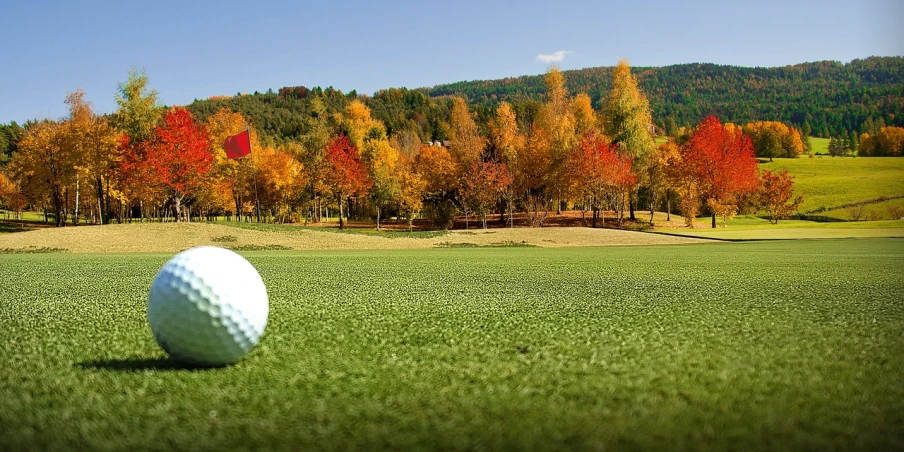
{"x": 440, "y": 174}
{"x": 482, "y": 185}
{"x": 776, "y": 195}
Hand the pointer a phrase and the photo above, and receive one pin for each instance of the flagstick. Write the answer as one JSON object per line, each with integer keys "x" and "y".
{"x": 257, "y": 202}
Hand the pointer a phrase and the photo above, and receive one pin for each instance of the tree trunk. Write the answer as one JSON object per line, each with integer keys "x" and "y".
{"x": 378, "y": 218}
{"x": 178, "y": 200}
{"x": 483, "y": 217}
{"x": 57, "y": 206}
{"x": 714, "y": 220}
{"x": 341, "y": 221}
{"x": 77, "y": 193}
{"x": 668, "y": 209}
{"x": 630, "y": 207}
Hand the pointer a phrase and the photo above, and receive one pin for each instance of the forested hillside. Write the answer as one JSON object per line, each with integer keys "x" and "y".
{"x": 834, "y": 98}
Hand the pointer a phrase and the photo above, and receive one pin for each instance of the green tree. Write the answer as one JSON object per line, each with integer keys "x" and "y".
{"x": 853, "y": 144}
{"x": 805, "y": 132}
{"x": 671, "y": 127}
{"x": 628, "y": 118}
{"x": 137, "y": 113}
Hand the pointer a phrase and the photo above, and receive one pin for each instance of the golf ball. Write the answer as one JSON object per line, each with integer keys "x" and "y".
{"x": 208, "y": 306}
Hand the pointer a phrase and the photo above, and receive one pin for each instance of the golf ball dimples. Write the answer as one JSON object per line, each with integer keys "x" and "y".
{"x": 208, "y": 306}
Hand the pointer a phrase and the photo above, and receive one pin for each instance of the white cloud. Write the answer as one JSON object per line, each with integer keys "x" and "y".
{"x": 554, "y": 57}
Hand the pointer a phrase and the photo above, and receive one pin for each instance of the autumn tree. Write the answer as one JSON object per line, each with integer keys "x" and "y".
{"x": 440, "y": 174}
{"x": 346, "y": 175}
{"x": 96, "y": 144}
{"x": 281, "y": 178}
{"x": 357, "y": 123}
{"x": 773, "y": 139}
{"x": 482, "y": 185}
{"x": 887, "y": 142}
{"x": 180, "y": 155}
{"x": 776, "y": 195}
{"x": 45, "y": 165}
{"x": 137, "y": 111}
{"x": 591, "y": 169}
{"x": 381, "y": 160}
{"x": 11, "y": 197}
{"x": 466, "y": 143}
{"x": 236, "y": 176}
{"x": 412, "y": 188}
{"x": 506, "y": 141}
{"x": 628, "y": 118}
{"x": 585, "y": 119}
{"x": 718, "y": 166}
{"x": 665, "y": 155}
{"x": 557, "y": 121}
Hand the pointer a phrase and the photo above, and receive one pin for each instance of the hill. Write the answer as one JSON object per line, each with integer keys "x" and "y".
{"x": 834, "y": 98}
{"x": 832, "y": 186}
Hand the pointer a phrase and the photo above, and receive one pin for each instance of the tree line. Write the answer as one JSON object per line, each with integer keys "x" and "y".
{"x": 146, "y": 161}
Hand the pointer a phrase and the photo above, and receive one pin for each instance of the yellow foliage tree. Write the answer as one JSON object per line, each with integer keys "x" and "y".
{"x": 45, "y": 165}
{"x": 381, "y": 160}
{"x": 773, "y": 139}
{"x": 235, "y": 176}
{"x": 628, "y": 119}
{"x": 358, "y": 123}
{"x": 281, "y": 178}
{"x": 889, "y": 142}
{"x": 467, "y": 145}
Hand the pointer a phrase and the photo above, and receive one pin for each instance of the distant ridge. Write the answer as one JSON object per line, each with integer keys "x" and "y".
{"x": 828, "y": 94}
{"x": 833, "y": 97}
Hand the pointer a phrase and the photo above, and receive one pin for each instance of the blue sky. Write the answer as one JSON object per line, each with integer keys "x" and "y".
{"x": 200, "y": 49}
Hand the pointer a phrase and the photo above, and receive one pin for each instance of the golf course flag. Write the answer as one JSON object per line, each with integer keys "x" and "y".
{"x": 238, "y": 145}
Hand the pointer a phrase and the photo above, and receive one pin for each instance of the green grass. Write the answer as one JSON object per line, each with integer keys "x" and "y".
{"x": 827, "y": 182}
{"x": 764, "y": 345}
{"x": 819, "y": 145}
{"x": 749, "y": 227}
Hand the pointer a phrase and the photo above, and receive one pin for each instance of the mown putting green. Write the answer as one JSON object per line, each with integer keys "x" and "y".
{"x": 763, "y": 345}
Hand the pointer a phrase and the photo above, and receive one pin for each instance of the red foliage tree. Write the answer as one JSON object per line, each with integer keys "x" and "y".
{"x": 722, "y": 165}
{"x": 599, "y": 173}
{"x": 775, "y": 194}
{"x": 180, "y": 155}
{"x": 345, "y": 175}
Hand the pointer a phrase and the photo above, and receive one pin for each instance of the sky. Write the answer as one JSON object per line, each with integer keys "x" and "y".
{"x": 196, "y": 49}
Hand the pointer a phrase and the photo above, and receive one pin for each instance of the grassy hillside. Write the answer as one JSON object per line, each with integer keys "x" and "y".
{"x": 828, "y": 183}
{"x": 751, "y": 346}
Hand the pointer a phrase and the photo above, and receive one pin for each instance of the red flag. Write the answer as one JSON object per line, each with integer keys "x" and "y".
{"x": 238, "y": 145}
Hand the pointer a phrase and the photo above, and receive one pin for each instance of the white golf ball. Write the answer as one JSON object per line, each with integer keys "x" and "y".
{"x": 208, "y": 306}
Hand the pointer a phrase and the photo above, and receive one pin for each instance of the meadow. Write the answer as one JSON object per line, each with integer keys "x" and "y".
{"x": 819, "y": 145}
{"x": 760, "y": 345}
{"x": 827, "y": 183}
